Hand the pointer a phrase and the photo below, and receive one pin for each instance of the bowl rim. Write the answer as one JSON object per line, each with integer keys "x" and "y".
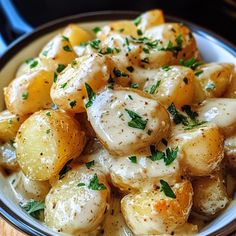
{"x": 9, "y": 215}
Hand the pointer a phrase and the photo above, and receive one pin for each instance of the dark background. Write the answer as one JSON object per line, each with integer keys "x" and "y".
{"x": 216, "y": 15}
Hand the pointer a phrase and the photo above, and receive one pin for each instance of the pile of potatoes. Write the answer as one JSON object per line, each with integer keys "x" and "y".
{"x": 83, "y": 118}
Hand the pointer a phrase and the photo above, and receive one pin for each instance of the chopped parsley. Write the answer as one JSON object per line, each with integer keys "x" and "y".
{"x": 119, "y": 73}
{"x": 130, "y": 97}
{"x": 32, "y": 62}
{"x": 48, "y": 131}
{"x": 166, "y": 68}
{"x": 210, "y": 86}
{"x": 64, "y": 38}
{"x": 95, "y": 43}
{"x": 72, "y": 104}
{"x": 48, "y": 113}
{"x": 64, "y": 85}
{"x": 137, "y": 21}
{"x": 60, "y": 68}
{"x": 134, "y": 85}
{"x": 91, "y": 95}
{"x": 81, "y": 184}
{"x": 12, "y": 143}
{"x": 67, "y": 48}
{"x": 55, "y": 77}
{"x": 65, "y": 169}
{"x": 74, "y": 63}
{"x": 25, "y": 96}
{"x": 197, "y": 73}
{"x": 121, "y": 30}
{"x": 136, "y": 120}
{"x": 177, "y": 116}
{"x": 154, "y": 87}
{"x": 146, "y": 50}
{"x": 90, "y": 164}
{"x": 165, "y": 187}
{"x": 95, "y": 185}
{"x": 139, "y": 32}
{"x": 34, "y": 208}
{"x": 192, "y": 114}
{"x": 96, "y": 30}
{"x": 155, "y": 154}
{"x": 133, "y": 159}
{"x": 130, "y": 68}
{"x": 191, "y": 63}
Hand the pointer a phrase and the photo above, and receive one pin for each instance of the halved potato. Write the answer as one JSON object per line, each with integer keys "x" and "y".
{"x": 9, "y": 125}
{"x": 172, "y": 84}
{"x": 126, "y": 120}
{"x": 29, "y": 93}
{"x": 77, "y": 203}
{"x": 76, "y": 34}
{"x": 210, "y": 196}
{"x": 220, "y": 111}
{"x": 153, "y": 213}
{"x": 231, "y": 91}
{"x": 214, "y": 79}
{"x": 230, "y": 151}
{"x": 202, "y": 149}
{"x": 69, "y": 90}
{"x": 46, "y": 141}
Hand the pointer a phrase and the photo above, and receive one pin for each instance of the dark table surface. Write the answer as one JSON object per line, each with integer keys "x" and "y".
{"x": 216, "y": 15}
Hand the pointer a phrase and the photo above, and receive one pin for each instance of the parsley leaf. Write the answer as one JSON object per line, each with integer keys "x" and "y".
{"x": 96, "y": 30}
{"x": 95, "y": 185}
{"x": 64, "y": 38}
{"x": 191, "y": 63}
{"x": 25, "y": 95}
{"x": 118, "y": 73}
{"x": 177, "y": 116}
{"x": 72, "y": 104}
{"x": 133, "y": 159}
{"x": 165, "y": 187}
{"x": 154, "y": 87}
{"x": 134, "y": 85}
{"x": 95, "y": 43}
{"x": 171, "y": 155}
{"x": 67, "y": 48}
{"x": 65, "y": 169}
{"x": 137, "y": 21}
{"x": 197, "y": 73}
{"x": 136, "y": 120}
{"x": 156, "y": 155}
{"x": 81, "y": 184}
{"x": 91, "y": 95}
{"x": 34, "y": 208}
{"x": 32, "y": 62}
{"x": 187, "y": 109}
{"x": 90, "y": 164}
{"x": 166, "y": 68}
{"x": 60, "y": 68}
{"x": 210, "y": 86}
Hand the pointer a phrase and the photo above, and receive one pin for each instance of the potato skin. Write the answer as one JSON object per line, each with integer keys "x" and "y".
{"x": 152, "y": 212}
{"x": 46, "y": 141}
{"x": 230, "y": 151}
{"x": 9, "y": 125}
{"x": 210, "y": 196}
{"x": 76, "y": 209}
{"x": 231, "y": 91}
{"x": 29, "y": 93}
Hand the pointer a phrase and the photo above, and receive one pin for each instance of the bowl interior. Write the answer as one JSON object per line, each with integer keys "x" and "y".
{"x": 211, "y": 50}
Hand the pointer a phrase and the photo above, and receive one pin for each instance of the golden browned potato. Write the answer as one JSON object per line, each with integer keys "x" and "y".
{"x": 202, "y": 148}
{"x": 9, "y": 125}
{"x": 231, "y": 91}
{"x": 30, "y": 189}
{"x": 154, "y": 213}
{"x": 46, "y": 141}
{"x": 59, "y": 50}
{"x": 210, "y": 196}
{"x": 76, "y": 35}
{"x": 220, "y": 111}
{"x": 127, "y": 120}
{"x": 213, "y": 78}
{"x": 172, "y": 84}
{"x": 230, "y": 151}
{"x": 77, "y": 203}
{"x": 69, "y": 90}
{"x": 149, "y": 19}
{"x": 29, "y": 93}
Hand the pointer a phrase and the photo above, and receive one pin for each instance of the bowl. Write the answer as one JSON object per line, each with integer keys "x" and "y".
{"x": 212, "y": 48}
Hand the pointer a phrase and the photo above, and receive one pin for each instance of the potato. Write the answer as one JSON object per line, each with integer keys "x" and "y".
{"x": 77, "y": 203}
{"x": 172, "y": 84}
{"x": 144, "y": 174}
{"x": 230, "y": 151}
{"x": 150, "y": 19}
{"x": 30, "y": 189}
{"x": 214, "y": 79}
{"x": 46, "y": 141}
{"x": 114, "y": 223}
{"x": 220, "y": 111}
{"x": 202, "y": 148}
{"x": 231, "y": 91}
{"x": 59, "y": 50}
{"x": 8, "y": 156}
{"x": 76, "y": 35}
{"x": 69, "y": 90}
{"x": 152, "y": 212}
{"x": 126, "y": 120}
{"x": 174, "y": 42}
{"x": 210, "y": 195}
{"x": 29, "y": 93}
{"x": 9, "y": 125}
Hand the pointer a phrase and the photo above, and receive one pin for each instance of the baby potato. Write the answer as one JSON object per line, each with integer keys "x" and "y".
{"x": 220, "y": 111}
{"x": 202, "y": 148}
{"x": 30, "y": 189}
{"x": 127, "y": 121}
{"x": 150, "y": 19}
{"x": 230, "y": 151}
{"x": 46, "y": 141}
{"x": 29, "y": 93}
{"x": 8, "y": 156}
{"x": 172, "y": 85}
{"x": 9, "y": 125}
{"x": 77, "y": 203}
{"x": 210, "y": 196}
{"x": 59, "y": 50}
{"x": 141, "y": 173}
{"x": 231, "y": 91}
{"x": 153, "y": 213}
{"x": 214, "y": 79}
{"x": 69, "y": 90}
{"x": 76, "y": 35}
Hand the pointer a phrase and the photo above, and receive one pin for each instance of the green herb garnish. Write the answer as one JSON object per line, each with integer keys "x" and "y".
{"x": 81, "y": 184}
{"x": 32, "y": 62}
{"x": 34, "y": 208}
{"x": 60, "y": 68}
{"x": 137, "y": 21}
{"x": 133, "y": 159}
{"x": 65, "y": 169}
{"x": 67, "y": 48}
{"x": 25, "y": 95}
{"x": 64, "y": 38}
{"x": 119, "y": 73}
{"x": 210, "y": 86}
{"x": 165, "y": 187}
{"x": 136, "y": 120}
{"x": 96, "y": 30}
{"x": 95, "y": 185}
{"x": 72, "y": 104}
{"x": 134, "y": 85}
{"x": 166, "y": 68}
{"x": 154, "y": 87}
{"x": 90, "y": 164}
{"x": 191, "y": 63}
{"x": 91, "y": 95}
